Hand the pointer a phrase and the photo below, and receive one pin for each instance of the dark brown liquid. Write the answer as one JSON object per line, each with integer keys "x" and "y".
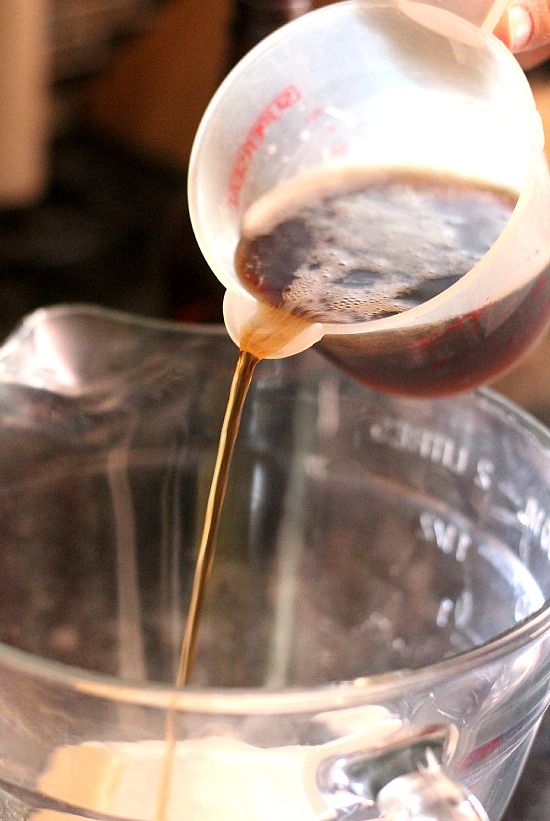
{"x": 451, "y": 356}
{"x": 378, "y": 247}
{"x": 266, "y": 333}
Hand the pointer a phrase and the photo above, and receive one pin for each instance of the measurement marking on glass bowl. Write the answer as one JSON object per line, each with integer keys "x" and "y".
{"x": 534, "y": 519}
{"x": 449, "y": 538}
{"x": 428, "y": 444}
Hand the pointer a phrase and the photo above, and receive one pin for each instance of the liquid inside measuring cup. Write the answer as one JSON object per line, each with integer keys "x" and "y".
{"x": 367, "y": 246}
{"x": 354, "y": 246}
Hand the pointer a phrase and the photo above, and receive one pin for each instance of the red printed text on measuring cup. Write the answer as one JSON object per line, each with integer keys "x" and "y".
{"x": 257, "y": 133}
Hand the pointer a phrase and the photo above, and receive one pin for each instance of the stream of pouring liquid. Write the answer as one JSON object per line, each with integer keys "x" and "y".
{"x": 266, "y": 333}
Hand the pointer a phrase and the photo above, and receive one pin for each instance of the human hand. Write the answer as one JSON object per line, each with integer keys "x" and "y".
{"x": 525, "y": 29}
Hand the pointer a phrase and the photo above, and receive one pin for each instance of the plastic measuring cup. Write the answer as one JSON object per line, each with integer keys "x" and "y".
{"x": 370, "y": 84}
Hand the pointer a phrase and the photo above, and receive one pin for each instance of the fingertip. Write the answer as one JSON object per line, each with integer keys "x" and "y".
{"x": 520, "y": 26}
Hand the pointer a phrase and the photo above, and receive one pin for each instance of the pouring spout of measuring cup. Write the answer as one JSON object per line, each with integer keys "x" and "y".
{"x": 484, "y": 14}
{"x": 239, "y": 310}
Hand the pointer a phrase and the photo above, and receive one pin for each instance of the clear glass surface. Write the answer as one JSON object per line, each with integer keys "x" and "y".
{"x": 382, "y": 563}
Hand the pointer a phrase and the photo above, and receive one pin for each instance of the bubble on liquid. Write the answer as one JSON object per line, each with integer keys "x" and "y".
{"x": 375, "y": 247}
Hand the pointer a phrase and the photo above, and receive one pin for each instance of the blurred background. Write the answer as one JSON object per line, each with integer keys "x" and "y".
{"x": 100, "y": 100}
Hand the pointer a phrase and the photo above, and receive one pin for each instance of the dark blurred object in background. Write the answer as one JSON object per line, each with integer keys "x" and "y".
{"x": 99, "y": 233}
{"x": 81, "y": 218}
{"x": 85, "y": 33}
{"x": 252, "y": 20}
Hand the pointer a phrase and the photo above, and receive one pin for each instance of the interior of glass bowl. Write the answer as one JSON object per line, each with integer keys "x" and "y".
{"x": 361, "y": 534}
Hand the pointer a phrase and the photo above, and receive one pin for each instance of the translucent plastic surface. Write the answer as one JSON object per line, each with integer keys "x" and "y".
{"x": 361, "y": 88}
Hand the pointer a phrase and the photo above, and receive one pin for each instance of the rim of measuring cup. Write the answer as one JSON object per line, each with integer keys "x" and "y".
{"x": 519, "y": 91}
{"x": 237, "y": 701}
